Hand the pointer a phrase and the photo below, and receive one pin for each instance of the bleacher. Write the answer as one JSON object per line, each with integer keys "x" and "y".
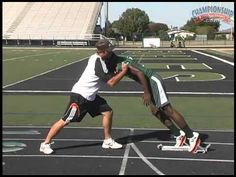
{"x": 50, "y": 22}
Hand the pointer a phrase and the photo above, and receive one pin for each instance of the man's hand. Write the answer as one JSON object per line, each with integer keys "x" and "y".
{"x": 146, "y": 98}
{"x": 118, "y": 76}
{"x": 120, "y": 67}
{"x": 124, "y": 67}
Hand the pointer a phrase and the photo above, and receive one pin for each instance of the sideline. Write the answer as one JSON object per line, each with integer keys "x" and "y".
{"x": 217, "y": 58}
{"x": 118, "y": 128}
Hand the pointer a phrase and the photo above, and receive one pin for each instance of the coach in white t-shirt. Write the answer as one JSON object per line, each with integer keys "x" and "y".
{"x": 84, "y": 98}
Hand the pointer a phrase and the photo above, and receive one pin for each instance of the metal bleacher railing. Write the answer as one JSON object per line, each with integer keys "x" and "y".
{"x": 55, "y": 40}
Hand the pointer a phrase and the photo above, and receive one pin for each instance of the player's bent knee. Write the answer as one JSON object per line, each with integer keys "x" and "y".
{"x": 155, "y": 112}
{"x": 62, "y": 122}
{"x": 66, "y": 123}
{"x": 169, "y": 111}
{"x": 73, "y": 112}
{"x": 108, "y": 113}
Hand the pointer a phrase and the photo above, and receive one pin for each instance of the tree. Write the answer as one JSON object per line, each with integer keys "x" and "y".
{"x": 132, "y": 21}
{"x": 163, "y": 35}
{"x": 156, "y": 27}
{"x": 110, "y": 32}
{"x": 190, "y": 26}
{"x": 206, "y": 26}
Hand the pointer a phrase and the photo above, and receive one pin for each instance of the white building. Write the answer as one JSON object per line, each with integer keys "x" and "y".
{"x": 182, "y": 33}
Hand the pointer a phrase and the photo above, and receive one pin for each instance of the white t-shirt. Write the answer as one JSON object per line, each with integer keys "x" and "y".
{"x": 94, "y": 75}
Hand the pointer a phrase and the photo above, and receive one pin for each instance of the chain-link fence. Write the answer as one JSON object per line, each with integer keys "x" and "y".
{"x": 189, "y": 43}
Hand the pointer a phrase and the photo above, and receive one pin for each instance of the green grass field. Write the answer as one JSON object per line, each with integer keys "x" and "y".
{"x": 19, "y": 64}
{"x": 200, "y": 112}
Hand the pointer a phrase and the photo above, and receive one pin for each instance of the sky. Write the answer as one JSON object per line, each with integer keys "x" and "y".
{"x": 171, "y": 13}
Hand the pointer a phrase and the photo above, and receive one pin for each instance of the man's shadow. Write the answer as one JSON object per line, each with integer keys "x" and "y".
{"x": 158, "y": 135}
{"x": 78, "y": 146}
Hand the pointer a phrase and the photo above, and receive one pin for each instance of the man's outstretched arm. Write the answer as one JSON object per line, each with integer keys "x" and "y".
{"x": 116, "y": 78}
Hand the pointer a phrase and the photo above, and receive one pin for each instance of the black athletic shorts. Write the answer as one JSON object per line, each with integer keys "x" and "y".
{"x": 78, "y": 107}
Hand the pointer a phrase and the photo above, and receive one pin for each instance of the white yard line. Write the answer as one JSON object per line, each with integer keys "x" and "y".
{"x": 115, "y": 92}
{"x": 126, "y": 154}
{"x": 100, "y": 140}
{"x": 121, "y": 128}
{"x": 212, "y": 56}
{"x": 117, "y": 157}
{"x": 145, "y": 159}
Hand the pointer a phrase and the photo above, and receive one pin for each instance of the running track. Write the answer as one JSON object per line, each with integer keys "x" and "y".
{"x": 78, "y": 151}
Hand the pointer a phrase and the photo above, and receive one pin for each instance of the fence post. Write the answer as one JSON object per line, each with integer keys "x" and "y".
{"x": 18, "y": 42}
{"x": 41, "y": 40}
{"x": 29, "y": 40}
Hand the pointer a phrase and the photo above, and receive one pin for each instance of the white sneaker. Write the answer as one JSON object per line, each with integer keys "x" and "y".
{"x": 180, "y": 140}
{"x": 46, "y": 148}
{"x": 194, "y": 142}
{"x": 110, "y": 143}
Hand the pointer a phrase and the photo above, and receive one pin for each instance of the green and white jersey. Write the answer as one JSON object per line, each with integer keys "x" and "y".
{"x": 133, "y": 62}
{"x": 158, "y": 90}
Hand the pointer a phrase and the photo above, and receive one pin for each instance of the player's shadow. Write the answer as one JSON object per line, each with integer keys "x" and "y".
{"x": 163, "y": 135}
{"x": 78, "y": 146}
{"x": 158, "y": 135}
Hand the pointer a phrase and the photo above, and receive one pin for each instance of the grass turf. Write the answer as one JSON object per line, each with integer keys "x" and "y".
{"x": 199, "y": 112}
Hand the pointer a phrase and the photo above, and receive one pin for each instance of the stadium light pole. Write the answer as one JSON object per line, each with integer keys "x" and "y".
{"x": 106, "y": 19}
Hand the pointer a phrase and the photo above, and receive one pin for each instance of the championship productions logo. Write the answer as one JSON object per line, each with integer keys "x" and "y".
{"x": 213, "y": 13}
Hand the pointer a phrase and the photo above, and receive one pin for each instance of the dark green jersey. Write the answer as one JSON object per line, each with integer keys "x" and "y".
{"x": 155, "y": 81}
{"x": 130, "y": 61}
